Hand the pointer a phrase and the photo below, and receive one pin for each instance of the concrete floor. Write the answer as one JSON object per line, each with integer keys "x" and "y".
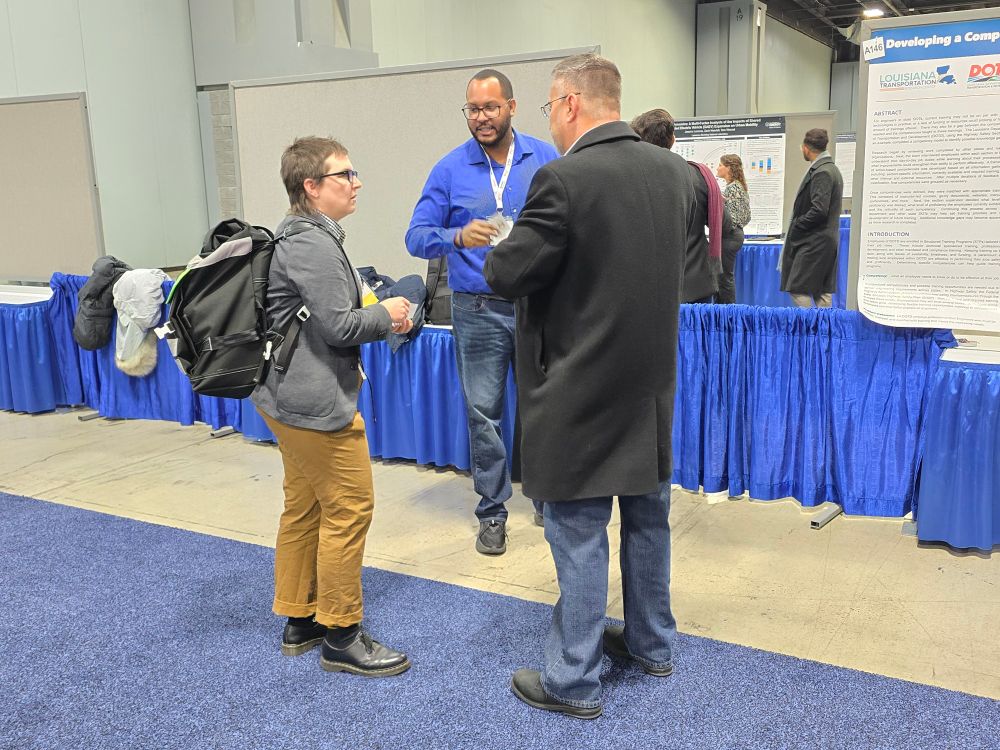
{"x": 856, "y": 593}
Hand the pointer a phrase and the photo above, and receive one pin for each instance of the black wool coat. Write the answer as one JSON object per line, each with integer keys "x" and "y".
{"x": 595, "y": 262}
{"x": 809, "y": 258}
{"x": 700, "y": 278}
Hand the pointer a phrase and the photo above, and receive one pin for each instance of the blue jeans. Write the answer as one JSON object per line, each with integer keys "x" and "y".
{"x": 484, "y": 348}
{"x": 576, "y": 530}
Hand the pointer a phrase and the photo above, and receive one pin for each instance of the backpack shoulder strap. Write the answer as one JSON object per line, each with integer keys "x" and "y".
{"x": 296, "y": 227}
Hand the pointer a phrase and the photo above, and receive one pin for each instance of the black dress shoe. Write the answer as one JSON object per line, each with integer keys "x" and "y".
{"x": 614, "y": 645}
{"x": 492, "y": 537}
{"x": 527, "y": 685}
{"x": 301, "y": 635}
{"x": 358, "y": 653}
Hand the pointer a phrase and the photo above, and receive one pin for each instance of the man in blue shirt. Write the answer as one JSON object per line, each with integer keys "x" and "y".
{"x": 470, "y": 201}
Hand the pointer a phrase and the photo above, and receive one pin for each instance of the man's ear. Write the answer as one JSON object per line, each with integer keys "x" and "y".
{"x": 572, "y": 109}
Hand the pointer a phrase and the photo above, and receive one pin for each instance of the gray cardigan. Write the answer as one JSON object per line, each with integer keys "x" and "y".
{"x": 319, "y": 390}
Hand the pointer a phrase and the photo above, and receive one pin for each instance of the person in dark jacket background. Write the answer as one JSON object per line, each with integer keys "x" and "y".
{"x": 703, "y": 258}
{"x": 311, "y": 407}
{"x": 809, "y": 257}
{"x": 595, "y": 261}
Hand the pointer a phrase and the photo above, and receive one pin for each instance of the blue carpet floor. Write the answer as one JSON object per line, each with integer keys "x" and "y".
{"x": 120, "y": 634}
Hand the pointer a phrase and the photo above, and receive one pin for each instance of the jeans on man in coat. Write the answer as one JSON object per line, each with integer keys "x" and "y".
{"x": 576, "y": 530}
{"x": 484, "y": 348}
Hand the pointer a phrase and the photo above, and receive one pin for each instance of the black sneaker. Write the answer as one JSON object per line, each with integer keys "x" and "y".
{"x": 358, "y": 653}
{"x": 614, "y": 645}
{"x": 492, "y": 538}
{"x": 527, "y": 685}
{"x": 539, "y": 519}
{"x": 300, "y": 635}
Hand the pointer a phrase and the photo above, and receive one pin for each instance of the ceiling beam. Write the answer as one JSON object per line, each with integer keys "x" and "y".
{"x": 893, "y": 7}
{"x": 815, "y": 9}
{"x": 947, "y": 6}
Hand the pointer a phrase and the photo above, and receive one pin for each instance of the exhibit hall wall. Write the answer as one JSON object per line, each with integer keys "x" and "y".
{"x": 795, "y": 72}
{"x": 134, "y": 63}
{"x": 653, "y": 43}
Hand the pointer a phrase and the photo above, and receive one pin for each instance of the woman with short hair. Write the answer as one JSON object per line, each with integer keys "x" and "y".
{"x": 310, "y": 404}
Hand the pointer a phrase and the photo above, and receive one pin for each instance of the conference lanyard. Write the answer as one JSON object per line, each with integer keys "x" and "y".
{"x": 499, "y": 186}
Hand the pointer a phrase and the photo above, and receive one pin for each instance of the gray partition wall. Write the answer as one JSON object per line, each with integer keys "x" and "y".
{"x": 49, "y": 208}
{"x": 396, "y": 123}
{"x": 797, "y": 124}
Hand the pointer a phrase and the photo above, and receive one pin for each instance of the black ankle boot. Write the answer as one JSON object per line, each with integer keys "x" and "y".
{"x": 353, "y": 650}
{"x": 301, "y": 634}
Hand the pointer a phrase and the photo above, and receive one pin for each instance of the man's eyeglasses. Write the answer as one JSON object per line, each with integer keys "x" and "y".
{"x": 490, "y": 110}
{"x": 547, "y": 107}
{"x": 351, "y": 175}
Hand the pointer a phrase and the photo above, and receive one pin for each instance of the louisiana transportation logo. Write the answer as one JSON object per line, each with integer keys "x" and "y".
{"x": 916, "y": 79}
{"x": 945, "y": 75}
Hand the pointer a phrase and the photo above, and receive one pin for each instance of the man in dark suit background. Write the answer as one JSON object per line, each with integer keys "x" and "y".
{"x": 701, "y": 271}
{"x": 595, "y": 262}
{"x": 809, "y": 258}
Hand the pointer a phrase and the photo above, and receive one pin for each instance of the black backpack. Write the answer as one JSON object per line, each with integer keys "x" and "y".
{"x": 217, "y": 328}
{"x": 438, "y": 309}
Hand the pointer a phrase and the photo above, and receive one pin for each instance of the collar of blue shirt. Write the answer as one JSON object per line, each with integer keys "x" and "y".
{"x": 478, "y": 156}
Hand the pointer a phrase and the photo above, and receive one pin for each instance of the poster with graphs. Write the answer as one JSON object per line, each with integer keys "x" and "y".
{"x": 760, "y": 143}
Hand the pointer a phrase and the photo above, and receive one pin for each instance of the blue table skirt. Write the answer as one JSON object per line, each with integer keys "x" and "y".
{"x": 412, "y": 403}
{"x": 165, "y": 394}
{"x": 959, "y": 496}
{"x": 819, "y": 405}
{"x": 758, "y": 281}
{"x": 29, "y": 370}
{"x": 813, "y": 404}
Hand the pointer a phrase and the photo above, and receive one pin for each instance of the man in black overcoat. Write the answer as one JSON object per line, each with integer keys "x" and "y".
{"x": 809, "y": 258}
{"x": 595, "y": 263}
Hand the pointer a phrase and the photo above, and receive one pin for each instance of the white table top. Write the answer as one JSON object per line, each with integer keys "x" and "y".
{"x": 23, "y": 295}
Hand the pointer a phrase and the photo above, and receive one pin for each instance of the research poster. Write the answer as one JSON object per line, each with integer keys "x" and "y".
{"x": 760, "y": 143}
{"x": 930, "y": 220}
{"x": 844, "y": 159}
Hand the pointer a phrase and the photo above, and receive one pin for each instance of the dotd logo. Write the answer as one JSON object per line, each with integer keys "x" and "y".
{"x": 981, "y": 72}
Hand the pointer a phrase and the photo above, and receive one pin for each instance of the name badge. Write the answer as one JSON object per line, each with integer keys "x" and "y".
{"x": 503, "y": 225}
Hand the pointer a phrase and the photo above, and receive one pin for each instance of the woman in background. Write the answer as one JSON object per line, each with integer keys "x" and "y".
{"x": 738, "y": 202}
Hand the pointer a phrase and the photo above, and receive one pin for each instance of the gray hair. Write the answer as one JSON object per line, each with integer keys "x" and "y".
{"x": 596, "y": 77}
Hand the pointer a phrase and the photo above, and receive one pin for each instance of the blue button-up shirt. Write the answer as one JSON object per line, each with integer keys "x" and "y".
{"x": 457, "y": 191}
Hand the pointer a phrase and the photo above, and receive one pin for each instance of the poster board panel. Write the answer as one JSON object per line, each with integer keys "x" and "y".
{"x": 395, "y": 122}
{"x": 49, "y": 206}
